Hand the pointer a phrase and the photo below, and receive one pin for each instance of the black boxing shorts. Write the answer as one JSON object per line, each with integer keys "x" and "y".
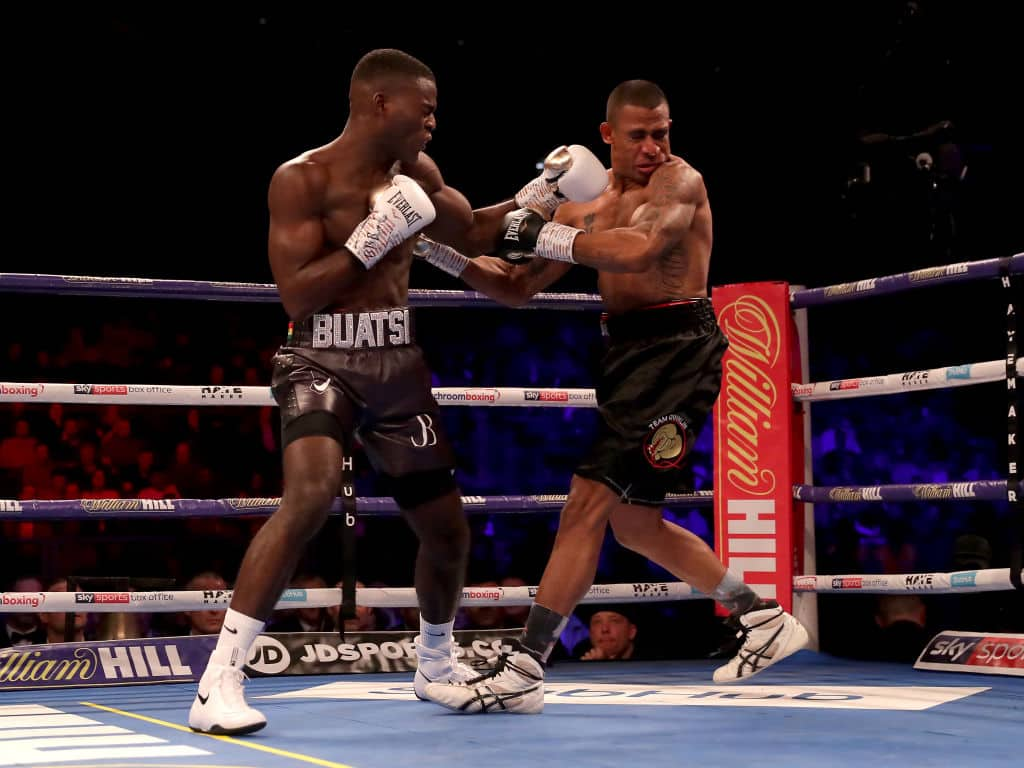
{"x": 659, "y": 380}
{"x": 361, "y": 373}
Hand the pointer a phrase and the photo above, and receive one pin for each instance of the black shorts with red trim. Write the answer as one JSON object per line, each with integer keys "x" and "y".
{"x": 660, "y": 377}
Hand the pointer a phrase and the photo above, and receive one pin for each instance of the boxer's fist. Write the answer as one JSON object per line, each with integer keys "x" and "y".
{"x": 570, "y": 173}
{"x": 399, "y": 212}
{"x": 525, "y": 234}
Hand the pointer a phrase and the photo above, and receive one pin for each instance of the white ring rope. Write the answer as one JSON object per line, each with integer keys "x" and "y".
{"x": 515, "y": 397}
{"x": 907, "y": 381}
{"x": 159, "y": 394}
{"x": 990, "y": 580}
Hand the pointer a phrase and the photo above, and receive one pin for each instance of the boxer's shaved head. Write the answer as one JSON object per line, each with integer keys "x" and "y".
{"x": 386, "y": 64}
{"x": 637, "y": 93}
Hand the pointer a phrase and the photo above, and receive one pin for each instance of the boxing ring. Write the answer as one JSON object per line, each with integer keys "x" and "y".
{"x": 810, "y": 708}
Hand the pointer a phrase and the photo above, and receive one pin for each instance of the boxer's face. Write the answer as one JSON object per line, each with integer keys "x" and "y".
{"x": 639, "y": 140}
{"x": 411, "y": 121}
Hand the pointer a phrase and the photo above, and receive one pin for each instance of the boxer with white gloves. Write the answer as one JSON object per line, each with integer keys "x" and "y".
{"x": 399, "y": 212}
{"x": 570, "y": 173}
{"x": 340, "y": 250}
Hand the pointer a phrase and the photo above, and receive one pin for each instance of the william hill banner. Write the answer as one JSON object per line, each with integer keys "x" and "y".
{"x": 758, "y": 446}
{"x": 183, "y": 659}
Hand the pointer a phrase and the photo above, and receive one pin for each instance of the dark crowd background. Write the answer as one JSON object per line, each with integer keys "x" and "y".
{"x": 836, "y": 145}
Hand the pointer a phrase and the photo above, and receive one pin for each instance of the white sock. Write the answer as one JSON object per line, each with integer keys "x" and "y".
{"x": 436, "y": 636}
{"x": 237, "y": 636}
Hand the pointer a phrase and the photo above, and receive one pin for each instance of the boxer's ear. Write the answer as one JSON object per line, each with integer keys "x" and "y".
{"x": 606, "y": 132}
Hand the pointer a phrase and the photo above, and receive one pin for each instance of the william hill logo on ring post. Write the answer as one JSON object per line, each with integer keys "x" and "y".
{"x": 758, "y": 445}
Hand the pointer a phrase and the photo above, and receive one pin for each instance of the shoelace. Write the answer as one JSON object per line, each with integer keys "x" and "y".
{"x": 232, "y": 692}
{"x": 501, "y": 664}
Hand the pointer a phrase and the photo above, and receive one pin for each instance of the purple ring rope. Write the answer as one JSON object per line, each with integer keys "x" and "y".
{"x": 206, "y": 290}
{"x": 79, "y": 509}
{"x": 978, "y": 490}
{"x": 379, "y": 506}
{"x": 905, "y": 281}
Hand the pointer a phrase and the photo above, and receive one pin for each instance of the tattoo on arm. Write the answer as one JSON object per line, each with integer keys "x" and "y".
{"x": 667, "y": 190}
{"x": 588, "y": 223}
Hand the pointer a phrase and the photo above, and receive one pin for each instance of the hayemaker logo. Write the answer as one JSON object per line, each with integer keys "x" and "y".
{"x": 221, "y": 393}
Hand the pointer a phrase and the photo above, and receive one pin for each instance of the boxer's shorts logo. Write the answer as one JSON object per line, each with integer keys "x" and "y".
{"x": 665, "y": 444}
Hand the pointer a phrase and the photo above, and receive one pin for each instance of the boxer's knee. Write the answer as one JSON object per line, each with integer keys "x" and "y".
{"x": 306, "y": 504}
{"x": 442, "y": 530}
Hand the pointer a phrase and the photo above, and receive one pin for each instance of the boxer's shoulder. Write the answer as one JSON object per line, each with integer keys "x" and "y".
{"x": 424, "y": 170}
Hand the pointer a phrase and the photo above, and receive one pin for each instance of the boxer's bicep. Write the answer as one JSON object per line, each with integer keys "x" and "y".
{"x": 675, "y": 193}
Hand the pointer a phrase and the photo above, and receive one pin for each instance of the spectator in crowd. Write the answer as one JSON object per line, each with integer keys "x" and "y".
{"x": 22, "y": 628}
{"x": 54, "y": 623}
{"x": 902, "y": 621}
{"x": 366, "y": 617}
{"x": 206, "y": 622}
{"x": 613, "y": 636}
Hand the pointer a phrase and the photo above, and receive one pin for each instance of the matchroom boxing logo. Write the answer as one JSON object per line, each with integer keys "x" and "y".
{"x": 22, "y": 390}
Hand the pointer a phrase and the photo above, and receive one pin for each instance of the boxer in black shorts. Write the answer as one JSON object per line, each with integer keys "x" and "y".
{"x": 659, "y": 380}
{"x": 649, "y": 237}
{"x": 342, "y": 221}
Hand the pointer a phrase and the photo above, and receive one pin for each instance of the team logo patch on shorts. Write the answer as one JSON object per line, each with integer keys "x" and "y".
{"x": 665, "y": 444}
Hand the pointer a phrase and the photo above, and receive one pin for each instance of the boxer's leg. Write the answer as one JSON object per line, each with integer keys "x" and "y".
{"x": 313, "y": 428}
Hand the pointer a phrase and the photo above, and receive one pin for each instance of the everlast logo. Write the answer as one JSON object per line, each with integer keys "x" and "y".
{"x": 404, "y": 207}
{"x": 361, "y": 330}
{"x": 515, "y": 224}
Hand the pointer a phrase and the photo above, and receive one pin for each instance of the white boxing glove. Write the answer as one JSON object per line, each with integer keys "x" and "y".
{"x": 399, "y": 212}
{"x": 570, "y": 173}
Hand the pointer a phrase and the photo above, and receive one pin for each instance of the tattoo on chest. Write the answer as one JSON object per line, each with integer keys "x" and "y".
{"x": 588, "y": 222}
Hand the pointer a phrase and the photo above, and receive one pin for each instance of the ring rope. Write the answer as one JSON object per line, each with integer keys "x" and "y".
{"x": 904, "y": 281}
{"x": 986, "y": 580}
{"x": 509, "y": 397}
{"x": 382, "y": 506}
{"x": 906, "y": 381}
{"x": 206, "y": 290}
